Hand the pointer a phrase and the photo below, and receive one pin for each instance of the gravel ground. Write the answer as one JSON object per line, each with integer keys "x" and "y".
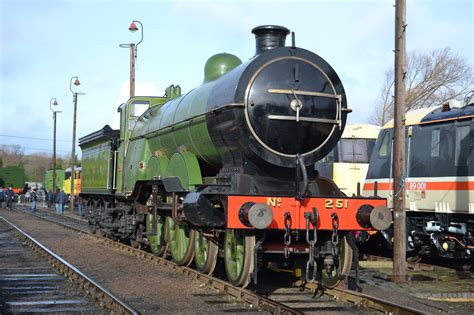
{"x": 146, "y": 287}
{"x": 422, "y": 290}
{"x": 153, "y": 289}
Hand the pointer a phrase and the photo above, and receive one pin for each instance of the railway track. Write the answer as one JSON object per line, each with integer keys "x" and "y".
{"x": 287, "y": 300}
{"x": 41, "y": 282}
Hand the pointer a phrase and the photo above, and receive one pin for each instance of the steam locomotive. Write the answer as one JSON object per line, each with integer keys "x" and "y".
{"x": 226, "y": 171}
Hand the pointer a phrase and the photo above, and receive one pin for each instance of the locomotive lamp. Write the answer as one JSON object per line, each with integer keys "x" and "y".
{"x": 133, "y": 54}
{"x": 74, "y": 80}
{"x": 54, "y": 102}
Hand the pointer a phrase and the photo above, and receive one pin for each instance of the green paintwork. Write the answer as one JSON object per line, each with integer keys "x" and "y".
{"x": 156, "y": 166}
{"x": 127, "y": 167}
{"x": 153, "y": 166}
{"x": 234, "y": 254}
{"x": 218, "y": 65}
{"x": 173, "y": 91}
{"x": 186, "y": 167}
{"x": 156, "y": 241}
{"x": 180, "y": 239}
{"x": 48, "y": 179}
{"x": 201, "y": 250}
{"x": 12, "y": 175}
{"x": 95, "y": 166}
{"x": 179, "y": 125}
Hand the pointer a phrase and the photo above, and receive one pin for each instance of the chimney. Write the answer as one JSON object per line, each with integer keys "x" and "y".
{"x": 268, "y": 37}
{"x": 446, "y": 107}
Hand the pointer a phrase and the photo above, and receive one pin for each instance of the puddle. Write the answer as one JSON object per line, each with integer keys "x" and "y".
{"x": 409, "y": 278}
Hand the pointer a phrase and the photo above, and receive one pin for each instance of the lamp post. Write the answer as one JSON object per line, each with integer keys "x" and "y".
{"x": 76, "y": 82}
{"x": 54, "y": 102}
{"x": 133, "y": 54}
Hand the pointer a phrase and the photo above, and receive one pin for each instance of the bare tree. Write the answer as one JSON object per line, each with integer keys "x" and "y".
{"x": 432, "y": 79}
{"x": 11, "y": 154}
{"x": 35, "y": 166}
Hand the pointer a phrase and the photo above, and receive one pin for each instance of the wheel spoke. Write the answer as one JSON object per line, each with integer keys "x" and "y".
{"x": 238, "y": 256}
{"x": 157, "y": 243}
{"x": 182, "y": 244}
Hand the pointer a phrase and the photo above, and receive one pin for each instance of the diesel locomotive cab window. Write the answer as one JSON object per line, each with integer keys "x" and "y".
{"x": 462, "y": 145}
{"x": 435, "y": 143}
{"x": 383, "y": 149}
{"x": 370, "y": 146}
{"x": 354, "y": 151}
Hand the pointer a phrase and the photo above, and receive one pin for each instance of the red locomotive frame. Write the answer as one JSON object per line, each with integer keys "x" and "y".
{"x": 345, "y": 208}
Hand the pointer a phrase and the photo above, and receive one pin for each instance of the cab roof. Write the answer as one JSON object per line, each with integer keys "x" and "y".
{"x": 361, "y": 131}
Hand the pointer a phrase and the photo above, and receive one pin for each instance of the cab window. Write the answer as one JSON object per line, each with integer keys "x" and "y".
{"x": 354, "y": 151}
{"x": 384, "y": 149}
{"x": 137, "y": 108}
{"x": 461, "y": 147}
{"x": 435, "y": 143}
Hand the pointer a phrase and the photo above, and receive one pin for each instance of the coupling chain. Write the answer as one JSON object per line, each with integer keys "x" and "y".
{"x": 311, "y": 241}
{"x": 287, "y": 236}
{"x": 335, "y": 234}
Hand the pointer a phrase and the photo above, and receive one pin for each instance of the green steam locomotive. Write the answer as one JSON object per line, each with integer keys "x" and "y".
{"x": 226, "y": 171}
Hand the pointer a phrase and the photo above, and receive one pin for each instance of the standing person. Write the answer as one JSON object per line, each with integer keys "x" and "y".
{"x": 62, "y": 199}
{"x": 49, "y": 198}
{"x": 34, "y": 197}
{"x": 81, "y": 207}
{"x": 2, "y": 197}
{"x": 56, "y": 201}
{"x": 10, "y": 194}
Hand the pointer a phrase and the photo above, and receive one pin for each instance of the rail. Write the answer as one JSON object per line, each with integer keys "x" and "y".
{"x": 249, "y": 297}
{"x": 101, "y": 294}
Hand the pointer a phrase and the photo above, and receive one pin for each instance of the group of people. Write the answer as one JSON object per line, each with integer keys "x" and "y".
{"x": 59, "y": 198}
{"x": 7, "y": 196}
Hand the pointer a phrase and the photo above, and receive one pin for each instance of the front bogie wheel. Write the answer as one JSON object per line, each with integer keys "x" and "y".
{"x": 238, "y": 258}
{"x": 341, "y": 268}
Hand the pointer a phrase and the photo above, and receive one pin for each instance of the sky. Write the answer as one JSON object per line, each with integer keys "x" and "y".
{"x": 46, "y": 42}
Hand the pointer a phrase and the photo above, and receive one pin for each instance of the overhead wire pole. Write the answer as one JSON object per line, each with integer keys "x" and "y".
{"x": 399, "y": 221}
